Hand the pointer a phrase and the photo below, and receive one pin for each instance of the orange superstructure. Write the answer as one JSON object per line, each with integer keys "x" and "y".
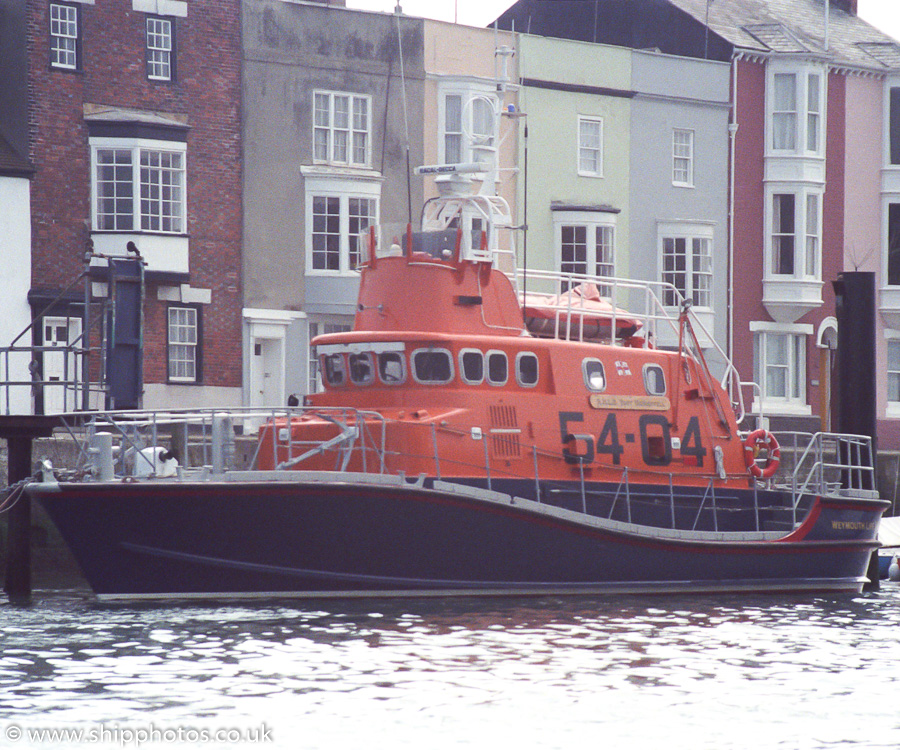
{"x": 441, "y": 352}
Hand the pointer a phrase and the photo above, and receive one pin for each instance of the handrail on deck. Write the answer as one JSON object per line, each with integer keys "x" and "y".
{"x": 814, "y": 463}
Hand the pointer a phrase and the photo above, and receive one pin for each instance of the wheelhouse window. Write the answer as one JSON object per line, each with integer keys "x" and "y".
{"x": 64, "y": 36}
{"x": 362, "y": 368}
{"x": 342, "y": 129}
{"x": 471, "y": 366}
{"x": 594, "y": 375}
{"x": 590, "y": 146}
{"x": 317, "y": 328}
{"x": 160, "y": 49}
{"x": 432, "y": 366}
{"x": 654, "y": 380}
{"x": 391, "y": 368}
{"x": 497, "y": 368}
{"x": 335, "y": 369}
{"x": 184, "y": 343}
{"x": 527, "y": 369}
{"x": 683, "y": 157}
{"x": 138, "y": 188}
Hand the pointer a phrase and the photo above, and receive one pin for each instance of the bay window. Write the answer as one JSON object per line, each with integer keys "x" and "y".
{"x": 139, "y": 187}
{"x": 779, "y": 366}
{"x": 338, "y": 209}
{"x": 796, "y": 104}
{"x": 795, "y": 234}
{"x": 585, "y": 242}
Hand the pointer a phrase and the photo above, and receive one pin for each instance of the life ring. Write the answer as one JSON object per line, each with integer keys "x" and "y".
{"x": 761, "y": 439}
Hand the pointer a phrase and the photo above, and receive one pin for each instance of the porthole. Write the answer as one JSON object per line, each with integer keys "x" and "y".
{"x": 471, "y": 366}
{"x": 497, "y": 368}
{"x": 654, "y": 380}
{"x": 526, "y": 369}
{"x": 594, "y": 375}
{"x": 432, "y": 366}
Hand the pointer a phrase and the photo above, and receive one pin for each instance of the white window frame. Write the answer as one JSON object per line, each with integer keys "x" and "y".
{"x": 888, "y": 201}
{"x": 805, "y": 240}
{"x": 319, "y": 326}
{"x": 599, "y": 227}
{"x": 586, "y": 148}
{"x": 891, "y": 124}
{"x": 477, "y": 100}
{"x": 136, "y": 147}
{"x": 795, "y": 400}
{"x": 65, "y": 35}
{"x": 690, "y": 233}
{"x": 160, "y": 36}
{"x": 329, "y": 129}
{"x": 683, "y": 158}
{"x": 343, "y": 191}
{"x": 892, "y": 409}
{"x": 806, "y": 113}
{"x": 181, "y": 350}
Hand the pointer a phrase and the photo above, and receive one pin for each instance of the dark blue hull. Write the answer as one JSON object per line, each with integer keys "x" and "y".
{"x": 348, "y": 539}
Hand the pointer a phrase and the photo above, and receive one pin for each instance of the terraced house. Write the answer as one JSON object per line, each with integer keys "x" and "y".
{"x": 133, "y": 134}
{"x": 812, "y": 190}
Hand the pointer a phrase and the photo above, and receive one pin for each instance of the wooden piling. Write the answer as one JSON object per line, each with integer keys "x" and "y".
{"x": 18, "y": 540}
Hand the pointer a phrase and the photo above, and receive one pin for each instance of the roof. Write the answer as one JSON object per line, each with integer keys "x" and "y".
{"x": 11, "y": 163}
{"x": 798, "y": 27}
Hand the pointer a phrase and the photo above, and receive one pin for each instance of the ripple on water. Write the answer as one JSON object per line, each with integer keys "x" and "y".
{"x": 549, "y": 673}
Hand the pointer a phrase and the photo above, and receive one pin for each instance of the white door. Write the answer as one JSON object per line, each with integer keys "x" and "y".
{"x": 63, "y": 366}
{"x": 267, "y": 372}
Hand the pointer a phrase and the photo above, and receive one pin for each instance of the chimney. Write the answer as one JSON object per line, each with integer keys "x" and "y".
{"x": 848, "y": 6}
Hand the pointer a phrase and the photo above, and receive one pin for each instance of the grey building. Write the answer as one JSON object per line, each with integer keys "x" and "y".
{"x": 327, "y": 141}
{"x": 679, "y": 181}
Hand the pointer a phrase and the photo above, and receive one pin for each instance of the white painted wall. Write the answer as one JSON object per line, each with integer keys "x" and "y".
{"x": 15, "y": 281}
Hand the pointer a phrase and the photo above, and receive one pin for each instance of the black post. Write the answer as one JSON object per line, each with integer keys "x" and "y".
{"x": 18, "y": 542}
{"x": 857, "y": 412}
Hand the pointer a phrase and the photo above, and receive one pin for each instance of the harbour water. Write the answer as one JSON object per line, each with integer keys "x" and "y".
{"x": 674, "y": 672}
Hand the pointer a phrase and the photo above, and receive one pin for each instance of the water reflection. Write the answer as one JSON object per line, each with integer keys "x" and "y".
{"x": 723, "y": 672}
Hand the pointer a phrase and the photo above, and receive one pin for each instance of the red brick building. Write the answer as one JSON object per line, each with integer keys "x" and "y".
{"x": 135, "y": 137}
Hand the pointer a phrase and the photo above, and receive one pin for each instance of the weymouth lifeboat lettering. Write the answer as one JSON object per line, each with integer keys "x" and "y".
{"x": 629, "y": 403}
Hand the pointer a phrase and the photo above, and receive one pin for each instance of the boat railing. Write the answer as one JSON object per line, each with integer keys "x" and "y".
{"x": 657, "y": 305}
{"x": 823, "y": 463}
{"x": 212, "y": 443}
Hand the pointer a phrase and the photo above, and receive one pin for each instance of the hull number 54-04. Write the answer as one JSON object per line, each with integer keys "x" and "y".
{"x": 653, "y": 433}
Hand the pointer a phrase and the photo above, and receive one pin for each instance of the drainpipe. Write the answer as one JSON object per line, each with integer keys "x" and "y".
{"x": 732, "y": 133}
